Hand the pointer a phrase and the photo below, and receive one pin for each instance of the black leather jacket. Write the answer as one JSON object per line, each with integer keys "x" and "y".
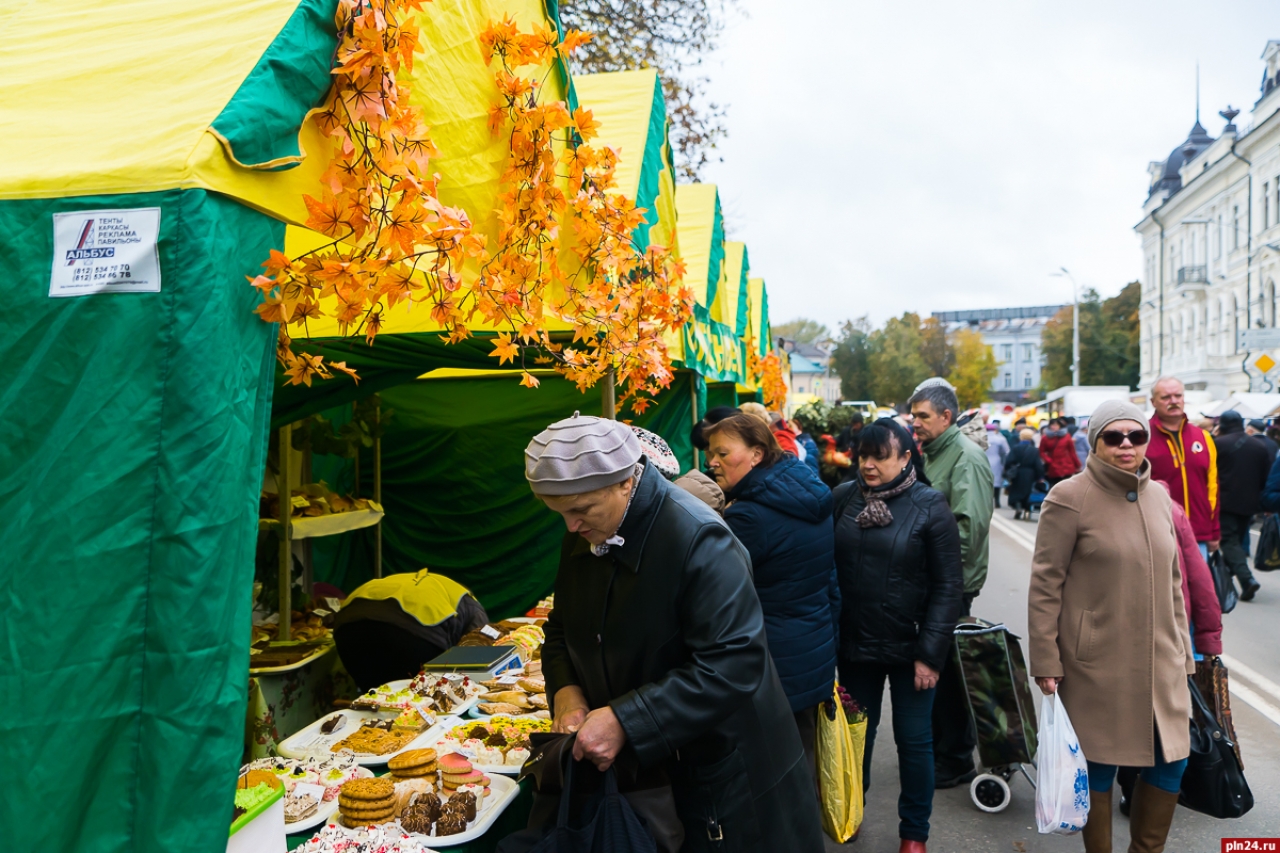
{"x": 667, "y": 630}
{"x": 901, "y": 584}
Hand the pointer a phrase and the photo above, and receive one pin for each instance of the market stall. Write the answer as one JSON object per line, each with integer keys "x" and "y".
{"x": 140, "y": 183}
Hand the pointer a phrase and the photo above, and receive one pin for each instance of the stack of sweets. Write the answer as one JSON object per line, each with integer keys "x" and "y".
{"x": 367, "y": 801}
{"x": 456, "y": 770}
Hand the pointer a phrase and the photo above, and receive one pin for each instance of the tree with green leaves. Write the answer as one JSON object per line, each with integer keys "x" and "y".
{"x": 895, "y": 361}
{"x": 852, "y": 359}
{"x": 937, "y": 352}
{"x": 1108, "y": 341}
{"x": 801, "y": 330}
{"x": 672, "y": 36}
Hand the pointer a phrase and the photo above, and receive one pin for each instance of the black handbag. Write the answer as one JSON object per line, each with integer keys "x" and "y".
{"x": 1213, "y": 783}
{"x": 612, "y": 828}
{"x": 1267, "y": 556}
{"x": 1223, "y": 584}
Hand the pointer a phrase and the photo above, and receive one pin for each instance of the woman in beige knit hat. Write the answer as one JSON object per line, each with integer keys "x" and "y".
{"x": 1108, "y": 626}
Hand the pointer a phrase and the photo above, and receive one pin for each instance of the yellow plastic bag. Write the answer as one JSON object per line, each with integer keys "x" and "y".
{"x": 839, "y": 770}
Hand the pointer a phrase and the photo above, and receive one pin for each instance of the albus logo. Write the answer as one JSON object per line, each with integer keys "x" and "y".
{"x": 84, "y": 248}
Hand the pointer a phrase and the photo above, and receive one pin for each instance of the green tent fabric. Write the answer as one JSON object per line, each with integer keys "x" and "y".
{"x": 135, "y": 429}
{"x": 392, "y": 360}
{"x": 722, "y": 394}
{"x": 260, "y": 125}
{"x": 454, "y": 490}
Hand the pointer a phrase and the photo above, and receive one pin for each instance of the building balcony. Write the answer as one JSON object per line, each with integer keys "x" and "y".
{"x": 1193, "y": 278}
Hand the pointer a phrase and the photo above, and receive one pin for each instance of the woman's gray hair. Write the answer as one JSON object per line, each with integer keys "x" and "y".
{"x": 941, "y": 396}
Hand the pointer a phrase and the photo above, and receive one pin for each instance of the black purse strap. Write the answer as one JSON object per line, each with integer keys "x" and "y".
{"x": 562, "y": 817}
{"x": 1206, "y": 714}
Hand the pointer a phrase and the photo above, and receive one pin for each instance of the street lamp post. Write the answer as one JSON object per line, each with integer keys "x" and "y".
{"x": 1075, "y": 325}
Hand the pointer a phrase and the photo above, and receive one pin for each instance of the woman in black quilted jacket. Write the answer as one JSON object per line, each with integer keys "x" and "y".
{"x": 898, "y": 561}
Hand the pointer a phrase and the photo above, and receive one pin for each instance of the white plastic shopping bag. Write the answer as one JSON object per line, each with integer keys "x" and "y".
{"x": 1062, "y": 777}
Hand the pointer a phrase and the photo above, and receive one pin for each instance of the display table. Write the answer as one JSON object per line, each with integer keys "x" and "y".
{"x": 285, "y": 700}
{"x": 514, "y": 819}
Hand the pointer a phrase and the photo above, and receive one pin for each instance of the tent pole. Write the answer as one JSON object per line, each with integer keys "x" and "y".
{"x": 693, "y": 393}
{"x": 608, "y": 403}
{"x": 355, "y": 490}
{"x": 377, "y": 483}
{"x": 286, "y": 555}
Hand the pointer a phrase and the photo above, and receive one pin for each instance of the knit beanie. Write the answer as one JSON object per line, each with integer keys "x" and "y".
{"x": 580, "y": 454}
{"x": 1110, "y": 412}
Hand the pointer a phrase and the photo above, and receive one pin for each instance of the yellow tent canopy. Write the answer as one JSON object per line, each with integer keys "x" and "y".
{"x": 701, "y": 229}
{"x": 730, "y": 305}
{"x": 108, "y": 127}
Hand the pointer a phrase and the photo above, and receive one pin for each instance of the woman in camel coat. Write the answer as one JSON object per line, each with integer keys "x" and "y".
{"x": 1108, "y": 627}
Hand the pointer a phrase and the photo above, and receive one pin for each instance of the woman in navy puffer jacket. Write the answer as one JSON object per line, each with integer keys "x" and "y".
{"x": 781, "y": 512}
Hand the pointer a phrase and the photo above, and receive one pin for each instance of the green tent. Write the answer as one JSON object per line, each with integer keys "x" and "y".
{"x": 146, "y": 168}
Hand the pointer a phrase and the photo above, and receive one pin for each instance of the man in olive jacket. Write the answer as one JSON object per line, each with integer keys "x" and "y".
{"x": 655, "y": 652}
{"x": 958, "y": 468}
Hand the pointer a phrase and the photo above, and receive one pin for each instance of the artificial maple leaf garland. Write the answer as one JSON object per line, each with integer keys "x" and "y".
{"x": 393, "y": 240}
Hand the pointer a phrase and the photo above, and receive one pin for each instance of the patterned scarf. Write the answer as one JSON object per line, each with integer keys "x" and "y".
{"x": 876, "y": 513}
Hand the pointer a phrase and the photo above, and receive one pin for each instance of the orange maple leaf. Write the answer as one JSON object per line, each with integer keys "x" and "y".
{"x": 528, "y": 380}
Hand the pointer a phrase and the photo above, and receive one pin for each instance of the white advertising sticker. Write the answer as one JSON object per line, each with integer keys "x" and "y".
{"x": 105, "y": 251}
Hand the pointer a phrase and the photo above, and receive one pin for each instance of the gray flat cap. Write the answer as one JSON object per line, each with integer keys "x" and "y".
{"x": 580, "y": 454}
{"x": 1110, "y": 412}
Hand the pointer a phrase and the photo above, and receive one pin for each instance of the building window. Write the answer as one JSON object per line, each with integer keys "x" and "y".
{"x": 1277, "y": 219}
{"x": 1027, "y": 350}
{"x": 1235, "y": 230}
{"x": 1006, "y": 352}
{"x": 1008, "y": 380}
{"x": 1218, "y": 248}
{"x": 1026, "y": 379}
{"x": 1266, "y": 205}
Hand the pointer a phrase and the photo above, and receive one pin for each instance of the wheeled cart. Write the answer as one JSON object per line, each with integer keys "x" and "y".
{"x": 1000, "y": 706}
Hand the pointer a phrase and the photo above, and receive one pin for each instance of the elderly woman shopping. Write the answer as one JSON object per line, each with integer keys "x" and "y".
{"x": 656, "y": 655}
{"x": 1108, "y": 626}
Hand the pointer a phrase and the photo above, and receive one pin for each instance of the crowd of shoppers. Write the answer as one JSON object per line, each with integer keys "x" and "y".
{"x": 702, "y": 620}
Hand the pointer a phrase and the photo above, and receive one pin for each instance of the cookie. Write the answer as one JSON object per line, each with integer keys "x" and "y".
{"x": 425, "y": 772}
{"x": 357, "y": 822}
{"x": 412, "y": 758}
{"x": 374, "y": 788}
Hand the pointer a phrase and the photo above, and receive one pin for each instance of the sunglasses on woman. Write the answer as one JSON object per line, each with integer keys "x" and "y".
{"x": 1115, "y": 438}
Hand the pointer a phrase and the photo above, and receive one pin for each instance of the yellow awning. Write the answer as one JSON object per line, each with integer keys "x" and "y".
{"x": 758, "y": 316}
{"x": 730, "y": 306}
{"x": 103, "y": 98}
{"x": 701, "y": 229}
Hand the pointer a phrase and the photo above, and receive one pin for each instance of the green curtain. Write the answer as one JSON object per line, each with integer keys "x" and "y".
{"x": 454, "y": 490}
{"x": 135, "y": 428}
{"x": 722, "y": 394}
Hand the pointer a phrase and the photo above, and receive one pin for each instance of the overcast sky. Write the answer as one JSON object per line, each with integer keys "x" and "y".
{"x": 927, "y": 156}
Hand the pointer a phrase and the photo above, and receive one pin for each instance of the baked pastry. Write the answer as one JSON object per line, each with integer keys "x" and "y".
{"x": 409, "y": 789}
{"x": 297, "y": 808}
{"x": 452, "y": 825}
{"x": 495, "y": 709}
{"x": 539, "y": 701}
{"x": 254, "y": 778}
{"x": 532, "y": 685}
{"x": 464, "y": 801}
{"x": 511, "y": 697}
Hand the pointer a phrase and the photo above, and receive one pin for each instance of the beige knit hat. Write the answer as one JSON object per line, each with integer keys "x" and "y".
{"x": 580, "y": 454}
{"x": 1110, "y": 412}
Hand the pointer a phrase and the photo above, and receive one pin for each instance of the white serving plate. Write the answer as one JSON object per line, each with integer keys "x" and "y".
{"x": 324, "y": 811}
{"x": 501, "y": 792}
{"x": 305, "y": 743}
{"x": 403, "y": 684}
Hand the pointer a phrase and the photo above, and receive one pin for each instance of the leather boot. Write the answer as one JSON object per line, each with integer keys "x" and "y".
{"x": 1150, "y": 817}
{"x": 1097, "y": 829}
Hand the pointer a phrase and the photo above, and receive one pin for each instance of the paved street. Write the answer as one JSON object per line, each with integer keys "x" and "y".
{"x": 1250, "y": 641}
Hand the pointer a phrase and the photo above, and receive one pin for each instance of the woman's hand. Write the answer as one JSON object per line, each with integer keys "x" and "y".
{"x": 600, "y": 739}
{"x": 926, "y": 676}
{"x": 1048, "y": 686}
{"x": 571, "y": 709}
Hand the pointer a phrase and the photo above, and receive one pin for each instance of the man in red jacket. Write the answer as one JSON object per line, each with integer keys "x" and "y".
{"x": 1184, "y": 458}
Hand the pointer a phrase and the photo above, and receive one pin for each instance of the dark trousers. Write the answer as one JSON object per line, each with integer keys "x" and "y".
{"x": 807, "y": 725}
{"x": 1233, "y": 552}
{"x": 997, "y": 497}
{"x": 912, "y": 732}
{"x": 954, "y": 737}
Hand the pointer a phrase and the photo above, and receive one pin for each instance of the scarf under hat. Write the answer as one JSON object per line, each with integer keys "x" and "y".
{"x": 876, "y": 513}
